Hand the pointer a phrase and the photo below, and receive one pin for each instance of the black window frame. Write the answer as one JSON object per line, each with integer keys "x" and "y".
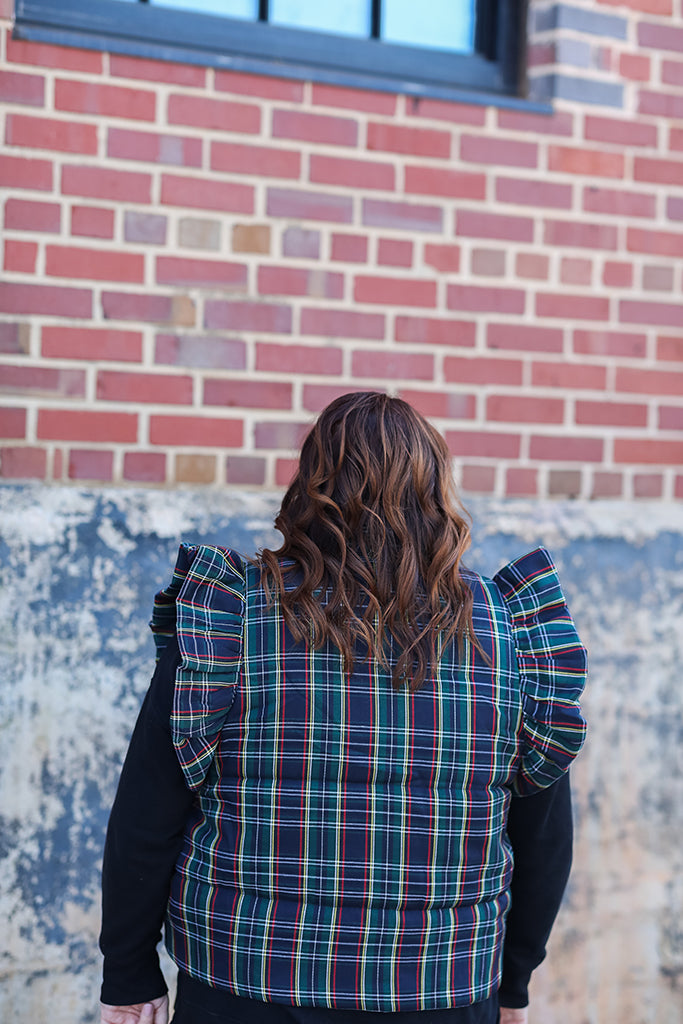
{"x": 493, "y": 73}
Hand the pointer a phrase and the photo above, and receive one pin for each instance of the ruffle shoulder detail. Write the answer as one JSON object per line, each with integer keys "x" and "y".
{"x": 552, "y": 664}
{"x": 204, "y": 606}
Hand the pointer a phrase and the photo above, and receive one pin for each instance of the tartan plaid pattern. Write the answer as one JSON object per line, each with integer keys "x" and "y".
{"x": 347, "y": 846}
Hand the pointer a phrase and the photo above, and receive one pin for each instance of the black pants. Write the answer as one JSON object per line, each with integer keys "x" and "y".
{"x": 197, "y": 1003}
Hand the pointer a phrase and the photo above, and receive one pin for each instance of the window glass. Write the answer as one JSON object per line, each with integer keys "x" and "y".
{"x": 343, "y": 17}
{"x": 228, "y": 8}
{"x": 444, "y": 24}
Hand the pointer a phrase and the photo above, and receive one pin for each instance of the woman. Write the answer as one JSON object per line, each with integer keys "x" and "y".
{"x": 323, "y": 791}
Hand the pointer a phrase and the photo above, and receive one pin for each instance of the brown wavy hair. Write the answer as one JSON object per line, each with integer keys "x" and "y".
{"x": 373, "y": 539}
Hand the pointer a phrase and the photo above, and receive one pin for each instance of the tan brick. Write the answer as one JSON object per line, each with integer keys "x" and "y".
{"x": 251, "y": 238}
{"x": 195, "y": 469}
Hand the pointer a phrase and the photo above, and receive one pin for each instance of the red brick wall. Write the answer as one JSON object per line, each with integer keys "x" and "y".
{"x": 196, "y": 261}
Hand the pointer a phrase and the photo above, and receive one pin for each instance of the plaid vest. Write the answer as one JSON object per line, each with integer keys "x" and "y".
{"x": 347, "y": 847}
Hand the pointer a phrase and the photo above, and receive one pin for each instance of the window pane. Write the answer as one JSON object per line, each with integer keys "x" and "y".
{"x": 444, "y": 24}
{"x": 228, "y": 8}
{"x": 343, "y": 17}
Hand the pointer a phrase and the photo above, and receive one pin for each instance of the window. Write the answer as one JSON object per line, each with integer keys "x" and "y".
{"x": 447, "y": 48}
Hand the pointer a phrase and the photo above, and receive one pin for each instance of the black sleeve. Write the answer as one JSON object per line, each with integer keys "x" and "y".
{"x": 144, "y": 837}
{"x": 540, "y": 831}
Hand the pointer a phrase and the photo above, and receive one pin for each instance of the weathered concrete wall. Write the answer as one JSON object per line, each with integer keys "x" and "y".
{"x": 79, "y": 572}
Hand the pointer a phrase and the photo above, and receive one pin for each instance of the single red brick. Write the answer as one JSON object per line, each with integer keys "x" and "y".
{"x": 610, "y": 414}
{"x": 106, "y": 183}
{"x": 475, "y": 224}
{"x": 317, "y": 396}
{"x": 525, "y": 337}
{"x": 248, "y": 394}
{"x": 483, "y": 444}
{"x": 94, "y": 264}
{"x": 216, "y": 115}
{"x": 23, "y": 463}
{"x": 483, "y": 370}
{"x": 285, "y": 471}
{"x": 622, "y": 132}
{"x": 307, "y": 205}
{"x": 333, "y": 170}
{"x": 675, "y": 138}
{"x": 572, "y": 307}
{"x": 452, "y": 405}
{"x": 521, "y": 482}
{"x": 175, "y": 309}
{"x": 674, "y": 208}
{"x": 618, "y": 203}
{"x": 12, "y": 423}
{"x": 301, "y": 242}
{"x": 488, "y": 262}
{"x": 658, "y": 171}
{"x": 265, "y": 161}
{"x": 22, "y": 172}
{"x": 320, "y": 128}
{"x": 665, "y": 314}
{"x": 394, "y": 252}
{"x": 248, "y": 316}
{"x": 91, "y": 343}
{"x": 422, "y": 330}
{"x": 265, "y": 86}
{"x": 44, "y": 55}
{"x": 672, "y": 72}
{"x": 31, "y": 215}
{"x": 646, "y": 451}
{"x": 477, "y": 479}
{"x": 670, "y": 349}
{"x": 575, "y": 233}
{"x": 532, "y": 265}
{"x": 300, "y": 281}
{"x": 637, "y": 68}
{"x": 593, "y": 162}
{"x": 86, "y": 425}
{"x": 158, "y": 388}
{"x": 617, "y": 275}
{"x": 416, "y": 142}
{"x": 607, "y": 485}
{"x": 210, "y": 353}
{"x": 483, "y": 149}
{"x": 400, "y": 291}
{"x": 91, "y": 464}
{"x": 43, "y": 380}
{"x": 144, "y": 467}
{"x": 661, "y": 243}
{"x": 658, "y": 279}
{"x": 561, "y": 122}
{"x": 104, "y": 100}
{"x": 527, "y": 192}
{"x": 140, "y": 68}
{"x": 349, "y": 248}
{"x": 279, "y": 434}
{"x": 298, "y": 359}
{"x": 342, "y": 323}
{"x": 92, "y": 221}
{"x": 444, "y": 181}
{"x": 524, "y": 409}
{"x": 649, "y": 382}
{"x": 670, "y": 417}
{"x": 245, "y": 469}
{"x": 202, "y": 194}
{"x": 152, "y": 147}
{"x": 46, "y": 300}
{"x": 445, "y": 110}
{"x": 20, "y": 256}
{"x": 657, "y": 103}
{"x": 384, "y": 213}
{"x": 181, "y": 270}
{"x": 576, "y": 271}
{"x": 196, "y": 431}
{"x": 353, "y": 99}
{"x": 391, "y": 364}
{"x": 648, "y": 485}
{"x": 444, "y": 258}
{"x": 14, "y": 338}
{"x": 610, "y": 343}
{"x": 566, "y": 449}
{"x": 477, "y": 299}
{"x": 16, "y": 87}
{"x": 48, "y": 133}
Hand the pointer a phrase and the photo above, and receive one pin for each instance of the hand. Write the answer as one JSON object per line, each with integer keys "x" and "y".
{"x": 154, "y": 1012}
{"x": 510, "y": 1015}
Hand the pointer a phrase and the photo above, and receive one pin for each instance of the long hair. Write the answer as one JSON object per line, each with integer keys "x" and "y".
{"x": 373, "y": 536}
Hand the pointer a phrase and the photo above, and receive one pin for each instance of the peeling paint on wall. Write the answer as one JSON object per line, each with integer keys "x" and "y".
{"x": 79, "y": 570}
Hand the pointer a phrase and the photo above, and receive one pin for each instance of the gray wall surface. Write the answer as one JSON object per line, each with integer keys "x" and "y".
{"x": 79, "y": 571}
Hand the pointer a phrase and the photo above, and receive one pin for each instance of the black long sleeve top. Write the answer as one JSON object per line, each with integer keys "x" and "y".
{"x": 145, "y": 834}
